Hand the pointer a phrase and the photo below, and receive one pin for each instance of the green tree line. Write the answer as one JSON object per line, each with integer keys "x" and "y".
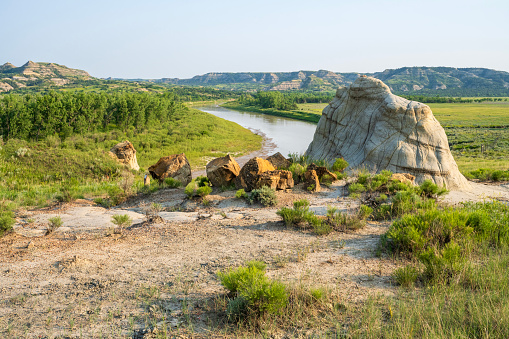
{"x": 36, "y": 116}
{"x": 283, "y": 101}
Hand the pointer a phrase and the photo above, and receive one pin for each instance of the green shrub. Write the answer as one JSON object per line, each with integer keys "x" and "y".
{"x": 342, "y": 221}
{"x": 203, "y": 191}
{"x": 202, "y": 181}
{"x": 67, "y": 192}
{"x": 406, "y": 276}
{"x": 298, "y": 214}
{"x": 241, "y": 194}
{"x": 339, "y": 165}
{"x": 264, "y": 195}
{"x": 53, "y": 224}
{"x": 121, "y": 220}
{"x": 199, "y": 187}
{"x": 116, "y": 195}
{"x": 297, "y": 172}
{"x": 172, "y": 182}
{"x": 252, "y": 291}
{"x": 365, "y": 212}
{"x": 356, "y": 188}
{"x": 430, "y": 190}
{"x": 6, "y": 223}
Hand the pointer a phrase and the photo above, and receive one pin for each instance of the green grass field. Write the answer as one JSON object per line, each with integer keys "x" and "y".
{"x": 33, "y": 173}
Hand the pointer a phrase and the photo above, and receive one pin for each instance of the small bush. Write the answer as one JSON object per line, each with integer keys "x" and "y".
{"x": 365, "y": 212}
{"x": 199, "y": 187}
{"x": 356, "y": 188}
{"x": 253, "y": 293}
{"x": 6, "y": 223}
{"x": 241, "y": 194}
{"x": 297, "y": 172}
{"x": 430, "y": 190}
{"x": 265, "y": 196}
{"x": 406, "y": 276}
{"x": 172, "y": 182}
{"x": 339, "y": 165}
{"x": 121, "y": 220}
{"x": 67, "y": 193}
{"x": 53, "y": 224}
{"x": 203, "y": 191}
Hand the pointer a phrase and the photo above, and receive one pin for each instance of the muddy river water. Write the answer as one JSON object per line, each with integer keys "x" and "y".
{"x": 287, "y": 135}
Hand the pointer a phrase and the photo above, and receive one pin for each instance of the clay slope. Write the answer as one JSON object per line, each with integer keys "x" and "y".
{"x": 370, "y": 127}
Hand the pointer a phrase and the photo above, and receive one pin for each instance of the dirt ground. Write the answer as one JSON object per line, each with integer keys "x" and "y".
{"x": 84, "y": 280}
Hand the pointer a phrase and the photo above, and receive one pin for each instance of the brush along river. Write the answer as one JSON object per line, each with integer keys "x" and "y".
{"x": 286, "y": 135}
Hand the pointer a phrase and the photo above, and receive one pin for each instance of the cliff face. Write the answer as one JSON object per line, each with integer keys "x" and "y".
{"x": 370, "y": 127}
{"x": 38, "y": 74}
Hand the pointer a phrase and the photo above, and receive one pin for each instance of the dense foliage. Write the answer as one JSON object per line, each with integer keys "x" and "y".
{"x": 35, "y": 117}
{"x": 443, "y": 99}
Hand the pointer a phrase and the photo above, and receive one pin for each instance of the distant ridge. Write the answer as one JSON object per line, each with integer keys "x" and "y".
{"x": 38, "y": 74}
{"x": 443, "y": 81}
{"x": 415, "y": 80}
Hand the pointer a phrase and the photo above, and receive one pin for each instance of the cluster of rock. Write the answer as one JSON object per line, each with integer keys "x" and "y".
{"x": 372, "y": 128}
{"x": 225, "y": 171}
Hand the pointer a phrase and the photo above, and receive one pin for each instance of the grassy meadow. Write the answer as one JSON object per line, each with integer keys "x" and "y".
{"x": 35, "y": 173}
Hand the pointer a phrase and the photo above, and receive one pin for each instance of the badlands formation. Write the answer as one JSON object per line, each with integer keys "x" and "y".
{"x": 372, "y": 128}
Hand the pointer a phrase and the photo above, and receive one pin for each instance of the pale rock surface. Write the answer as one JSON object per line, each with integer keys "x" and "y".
{"x": 125, "y": 153}
{"x": 370, "y": 127}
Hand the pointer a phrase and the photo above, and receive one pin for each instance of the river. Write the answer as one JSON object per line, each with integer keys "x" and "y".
{"x": 283, "y": 134}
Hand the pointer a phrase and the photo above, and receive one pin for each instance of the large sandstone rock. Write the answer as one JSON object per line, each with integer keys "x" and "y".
{"x": 278, "y": 180}
{"x": 312, "y": 182}
{"x": 370, "y": 127}
{"x": 250, "y": 173}
{"x": 125, "y": 153}
{"x": 279, "y": 161}
{"x": 175, "y": 166}
{"x": 222, "y": 171}
{"x": 321, "y": 171}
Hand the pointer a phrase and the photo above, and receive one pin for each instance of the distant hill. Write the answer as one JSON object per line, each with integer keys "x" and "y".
{"x": 40, "y": 74}
{"x": 442, "y": 81}
{"x": 410, "y": 80}
{"x": 481, "y": 81}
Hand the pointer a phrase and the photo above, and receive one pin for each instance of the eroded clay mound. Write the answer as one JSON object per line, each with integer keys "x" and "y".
{"x": 370, "y": 127}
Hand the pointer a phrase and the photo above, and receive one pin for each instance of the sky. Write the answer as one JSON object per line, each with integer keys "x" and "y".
{"x": 166, "y": 39}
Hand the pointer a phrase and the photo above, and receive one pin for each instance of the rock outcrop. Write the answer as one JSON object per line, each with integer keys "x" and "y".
{"x": 312, "y": 182}
{"x": 370, "y": 127}
{"x": 279, "y": 161}
{"x": 322, "y": 171}
{"x": 125, "y": 153}
{"x": 222, "y": 171}
{"x": 175, "y": 166}
{"x": 250, "y": 173}
{"x": 278, "y": 180}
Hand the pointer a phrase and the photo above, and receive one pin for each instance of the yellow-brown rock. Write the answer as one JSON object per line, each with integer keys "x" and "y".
{"x": 279, "y": 161}
{"x": 405, "y": 178}
{"x": 174, "y": 166}
{"x": 222, "y": 171}
{"x": 321, "y": 171}
{"x": 278, "y": 180}
{"x": 312, "y": 182}
{"x": 250, "y": 172}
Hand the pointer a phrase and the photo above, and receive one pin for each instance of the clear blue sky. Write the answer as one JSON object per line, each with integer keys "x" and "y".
{"x": 156, "y": 38}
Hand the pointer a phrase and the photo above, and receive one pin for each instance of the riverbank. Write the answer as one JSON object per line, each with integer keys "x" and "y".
{"x": 295, "y": 114}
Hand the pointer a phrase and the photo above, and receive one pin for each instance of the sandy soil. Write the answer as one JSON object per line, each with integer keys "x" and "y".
{"x": 83, "y": 280}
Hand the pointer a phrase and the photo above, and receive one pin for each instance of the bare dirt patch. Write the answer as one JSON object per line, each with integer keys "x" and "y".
{"x": 160, "y": 275}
